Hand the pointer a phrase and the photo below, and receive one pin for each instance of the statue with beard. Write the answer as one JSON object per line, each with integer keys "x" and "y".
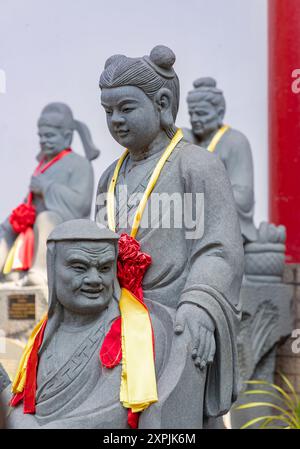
{"x": 73, "y": 388}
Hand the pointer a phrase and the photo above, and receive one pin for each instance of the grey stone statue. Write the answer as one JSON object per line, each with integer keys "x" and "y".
{"x": 207, "y": 106}
{"x": 266, "y": 300}
{"x": 200, "y": 276}
{"x": 73, "y": 389}
{"x": 64, "y": 191}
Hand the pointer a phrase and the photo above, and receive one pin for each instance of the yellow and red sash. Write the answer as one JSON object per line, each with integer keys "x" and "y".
{"x": 130, "y": 338}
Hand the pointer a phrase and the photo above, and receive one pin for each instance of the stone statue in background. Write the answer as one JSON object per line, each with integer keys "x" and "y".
{"x": 74, "y": 390}
{"x": 61, "y": 188}
{"x": 197, "y": 274}
{"x": 266, "y": 300}
{"x": 206, "y": 106}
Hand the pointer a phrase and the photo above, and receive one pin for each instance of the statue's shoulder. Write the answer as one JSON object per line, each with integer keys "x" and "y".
{"x": 192, "y": 155}
{"x": 77, "y": 161}
{"x": 236, "y": 139}
{"x": 106, "y": 175}
{"x": 198, "y": 165}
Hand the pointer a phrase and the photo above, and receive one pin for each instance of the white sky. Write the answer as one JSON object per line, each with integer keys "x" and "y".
{"x": 54, "y": 50}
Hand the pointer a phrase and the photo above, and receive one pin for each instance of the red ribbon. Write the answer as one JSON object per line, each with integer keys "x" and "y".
{"x": 132, "y": 265}
{"x": 29, "y": 393}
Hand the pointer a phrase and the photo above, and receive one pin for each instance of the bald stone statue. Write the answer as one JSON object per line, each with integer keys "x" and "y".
{"x": 206, "y": 106}
{"x": 197, "y": 274}
{"x": 73, "y": 389}
{"x": 60, "y": 189}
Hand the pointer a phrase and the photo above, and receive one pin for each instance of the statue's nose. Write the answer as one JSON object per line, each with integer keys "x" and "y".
{"x": 93, "y": 278}
{"x": 117, "y": 118}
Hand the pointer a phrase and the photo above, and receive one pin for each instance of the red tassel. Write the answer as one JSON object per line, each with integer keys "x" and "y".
{"x": 31, "y": 373}
{"x": 16, "y": 399}
{"x": 26, "y": 251}
{"x": 111, "y": 349}
{"x": 133, "y": 419}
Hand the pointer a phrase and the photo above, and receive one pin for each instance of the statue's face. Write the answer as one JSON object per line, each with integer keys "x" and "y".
{"x": 132, "y": 118}
{"x": 204, "y": 118}
{"x": 84, "y": 275}
{"x": 53, "y": 140}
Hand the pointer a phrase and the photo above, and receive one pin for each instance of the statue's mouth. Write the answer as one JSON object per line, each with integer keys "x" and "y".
{"x": 92, "y": 293}
{"x": 122, "y": 132}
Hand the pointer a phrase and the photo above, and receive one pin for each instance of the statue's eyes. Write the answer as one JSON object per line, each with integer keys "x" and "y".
{"x": 127, "y": 109}
{"x": 105, "y": 269}
{"x": 79, "y": 268}
{"x": 108, "y": 111}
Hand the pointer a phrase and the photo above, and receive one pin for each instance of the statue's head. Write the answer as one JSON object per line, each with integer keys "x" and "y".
{"x": 55, "y": 128}
{"x": 206, "y": 105}
{"x": 81, "y": 267}
{"x": 140, "y": 97}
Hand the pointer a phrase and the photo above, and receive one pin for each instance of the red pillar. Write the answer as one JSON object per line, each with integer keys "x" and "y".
{"x": 284, "y": 120}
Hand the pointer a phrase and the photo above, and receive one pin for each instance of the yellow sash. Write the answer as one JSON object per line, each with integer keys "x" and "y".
{"x": 138, "y": 381}
{"x": 20, "y": 377}
{"x": 217, "y": 137}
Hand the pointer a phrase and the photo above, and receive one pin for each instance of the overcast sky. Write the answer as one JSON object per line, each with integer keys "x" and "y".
{"x": 54, "y": 50}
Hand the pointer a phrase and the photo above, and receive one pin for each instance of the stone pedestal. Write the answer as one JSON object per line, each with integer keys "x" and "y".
{"x": 266, "y": 322}
{"x": 288, "y": 361}
{"x": 20, "y": 309}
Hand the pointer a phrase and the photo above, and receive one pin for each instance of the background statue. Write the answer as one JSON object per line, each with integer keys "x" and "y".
{"x": 61, "y": 188}
{"x": 197, "y": 275}
{"x": 206, "y": 106}
{"x": 266, "y": 300}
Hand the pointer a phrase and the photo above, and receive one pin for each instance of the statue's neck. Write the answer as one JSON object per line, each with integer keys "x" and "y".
{"x": 205, "y": 140}
{"x": 158, "y": 145}
{"x": 73, "y": 320}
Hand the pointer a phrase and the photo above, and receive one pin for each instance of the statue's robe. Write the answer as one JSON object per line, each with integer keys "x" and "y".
{"x": 78, "y": 392}
{"x": 235, "y": 152}
{"x": 205, "y": 271}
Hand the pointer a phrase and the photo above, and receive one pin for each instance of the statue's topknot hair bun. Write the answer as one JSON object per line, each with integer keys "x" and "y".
{"x": 163, "y": 57}
{"x": 205, "y": 82}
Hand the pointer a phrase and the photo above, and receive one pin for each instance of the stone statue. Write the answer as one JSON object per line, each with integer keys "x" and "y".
{"x": 197, "y": 274}
{"x": 73, "y": 389}
{"x": 266, "y": 300}
{"x": 206, "y": 105}
{"x": 60, "y": 189}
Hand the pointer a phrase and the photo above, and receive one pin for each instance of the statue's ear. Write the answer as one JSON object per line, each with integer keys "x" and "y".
{"x": 163, "y": 100}
{"x": 68, "y": 135}
{"x": 221, "y": 113}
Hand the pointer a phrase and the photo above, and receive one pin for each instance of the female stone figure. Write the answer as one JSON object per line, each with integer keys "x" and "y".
{"x": 198, "y": 274}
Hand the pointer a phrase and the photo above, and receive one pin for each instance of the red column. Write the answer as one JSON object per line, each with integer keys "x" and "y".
{"x": 284, "y": 120}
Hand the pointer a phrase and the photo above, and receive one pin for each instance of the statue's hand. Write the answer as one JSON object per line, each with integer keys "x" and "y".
{"x": 202, "y": 330}
{"x": 36, "y": 185}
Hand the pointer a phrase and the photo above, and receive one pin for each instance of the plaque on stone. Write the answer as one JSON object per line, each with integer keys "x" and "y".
{"x": 21, "y": 307}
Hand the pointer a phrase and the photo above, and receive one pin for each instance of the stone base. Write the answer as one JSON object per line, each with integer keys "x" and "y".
{"x": 20, "y": 309}
{"x": 288, "y": 362}
{"x": 266, "y": 322}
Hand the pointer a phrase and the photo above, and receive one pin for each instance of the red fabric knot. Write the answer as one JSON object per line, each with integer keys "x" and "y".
{"x": 132, "y": 265}
{"x": 22, "y": 217}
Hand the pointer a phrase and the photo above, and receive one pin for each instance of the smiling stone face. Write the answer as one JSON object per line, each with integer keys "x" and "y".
{"x": 53, "y": 140}
{"x": 85, "y": 273}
